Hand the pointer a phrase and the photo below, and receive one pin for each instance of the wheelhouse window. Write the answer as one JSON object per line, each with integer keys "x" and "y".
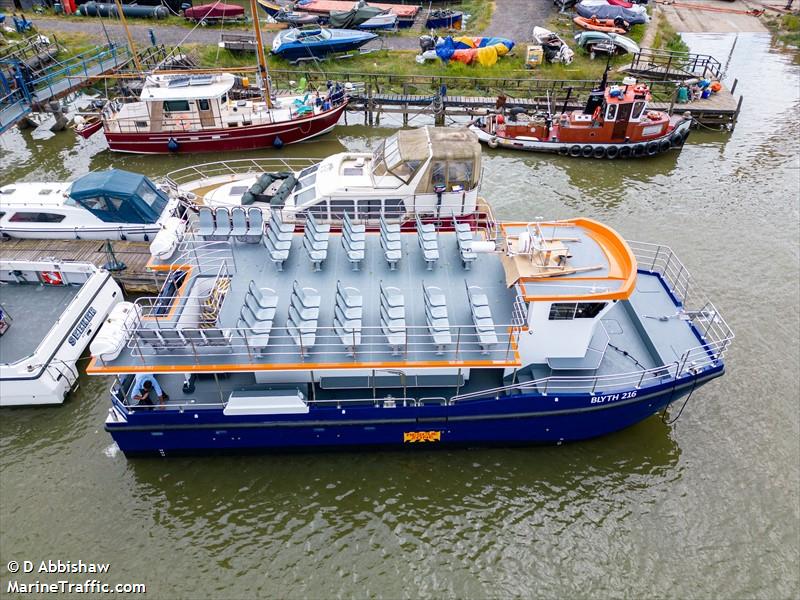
{"x": 439, "y": 174}
{"x": 638, "y": 109}
{"x": 94, "y": 203}
{"x": 340, "y": 207}
{"x": 611, "y": 112}
{"x": 36, "y": 217}
{"x": 203, "y": 104}
{"x": 176, "y": 105}
{"x": 459, "y": 173}
{"x": 566, "y": 311}
{"x": 387, "y": 159}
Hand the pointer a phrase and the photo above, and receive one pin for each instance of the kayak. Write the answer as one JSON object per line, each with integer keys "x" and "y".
{"x": 604, "y": 25}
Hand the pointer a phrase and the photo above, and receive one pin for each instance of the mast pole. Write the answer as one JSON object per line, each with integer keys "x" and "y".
{"x": 136, "y": 62}
{"x": 262, "y": 61}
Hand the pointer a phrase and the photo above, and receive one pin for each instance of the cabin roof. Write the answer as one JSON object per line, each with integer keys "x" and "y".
{"x": 186, "y": 87}
{"x": 33, "y": 194}
{"x": 440, "y": 143}
{"x": 112, "y": 181}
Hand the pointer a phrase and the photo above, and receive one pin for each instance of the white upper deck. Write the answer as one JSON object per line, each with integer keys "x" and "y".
{"x": 36, "y": 193}
{"x": 186, "y": 87}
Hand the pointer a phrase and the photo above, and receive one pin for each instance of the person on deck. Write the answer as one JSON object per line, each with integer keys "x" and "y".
{"x": 141, "y": 383}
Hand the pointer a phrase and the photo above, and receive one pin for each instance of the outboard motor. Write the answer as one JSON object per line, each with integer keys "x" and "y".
{"x": 426, "y": 42}
{"x": 595, "y": 100}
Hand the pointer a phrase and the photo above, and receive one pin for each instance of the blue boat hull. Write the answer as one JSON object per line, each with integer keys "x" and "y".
{"x": 293, "y": 51}
{"x": 521, "y": 419}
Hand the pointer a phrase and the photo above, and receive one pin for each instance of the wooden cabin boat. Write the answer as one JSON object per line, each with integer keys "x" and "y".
{"x": 196, "y": 113}
{"x": 450, "y": 333}
{"x": 615, "y": 123}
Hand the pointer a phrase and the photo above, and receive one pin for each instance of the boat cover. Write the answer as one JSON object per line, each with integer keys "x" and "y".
{"x": 349, "y": 19}
{"x": 586, "y": 38}
{"x": 117, "y": 196}
{"x": 403, "y": 11}
{"x": 609, "y": 11}
{"x": 214, "y": 11}
{"x": 484, "y": 50}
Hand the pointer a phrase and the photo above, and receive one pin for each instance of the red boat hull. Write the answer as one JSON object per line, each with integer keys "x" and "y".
{"x": 253, "y": 137}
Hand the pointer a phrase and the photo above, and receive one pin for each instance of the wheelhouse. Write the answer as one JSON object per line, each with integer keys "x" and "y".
{"x": 117, "y": 196}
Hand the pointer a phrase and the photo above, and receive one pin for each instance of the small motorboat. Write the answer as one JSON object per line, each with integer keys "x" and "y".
{"x": 620, "y": 43}
{"x": 295, "y": 19}
{"x": 87, "y": 125}
{"x": 214, "y": 13}
{"x": 318, "y": 42}
{"x": 615, "y": 123}
{"x": 603, "y": 5}
{"x": 604, "y": 25}
{"x": 593, "y": 9}
{"x": 362, "y": 16}
{"x": 444, "y": 19}
{"x": 101, "y": 205}
{"x": 554, "y": 48}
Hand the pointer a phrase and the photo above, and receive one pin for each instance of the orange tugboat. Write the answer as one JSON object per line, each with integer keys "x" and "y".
{"x": 615, "y": 123}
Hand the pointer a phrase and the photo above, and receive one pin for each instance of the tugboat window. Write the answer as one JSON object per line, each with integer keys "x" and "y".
{"x": 611, "y": 112}
{"x": 638, "y": 108}
{"x": 202, "y": 104}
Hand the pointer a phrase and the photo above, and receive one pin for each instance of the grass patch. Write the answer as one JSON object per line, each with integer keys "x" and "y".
{"x": 480, "y": 12}
{"x": 787, "y": 28}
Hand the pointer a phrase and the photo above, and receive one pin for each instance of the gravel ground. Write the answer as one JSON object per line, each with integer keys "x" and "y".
{"x": 512, "y": 19}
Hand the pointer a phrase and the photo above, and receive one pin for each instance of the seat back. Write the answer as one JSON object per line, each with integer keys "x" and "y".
{"x": 256, "y": 220}
{"x": 239, "y": 218}
{"x": 223, "y": 220}
{"x": 205, "y": 219}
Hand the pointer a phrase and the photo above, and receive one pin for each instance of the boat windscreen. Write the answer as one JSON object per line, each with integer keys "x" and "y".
{"x": 388, "y": 160}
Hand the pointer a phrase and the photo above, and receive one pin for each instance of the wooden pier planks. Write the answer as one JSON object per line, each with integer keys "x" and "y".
{"x": 135, "y": 278}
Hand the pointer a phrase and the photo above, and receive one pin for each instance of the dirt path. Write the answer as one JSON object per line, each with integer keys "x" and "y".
{"x": 512, "y": 18}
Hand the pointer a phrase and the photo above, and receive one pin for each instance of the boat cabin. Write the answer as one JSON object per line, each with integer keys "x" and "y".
{"x": 619, "y": 113}
{"x": 428, "y": 171}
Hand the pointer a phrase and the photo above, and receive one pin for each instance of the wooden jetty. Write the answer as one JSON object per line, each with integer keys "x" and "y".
{"x": 377, "y": 94}
{"x": 134, "y": 279}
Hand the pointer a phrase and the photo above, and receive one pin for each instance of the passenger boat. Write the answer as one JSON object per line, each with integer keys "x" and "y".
{"x": 197, "y": 113}
{"x": 451, "y": 333}
{"x": 317, "y": 42}
{"x": 430, "y": 169}
{"x": 615, "y": 123}
{"x": 102, "y": 205}
{"x": 49, "y": 311}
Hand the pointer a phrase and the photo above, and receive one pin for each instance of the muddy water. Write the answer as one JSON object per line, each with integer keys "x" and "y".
{"x": 705, "y": 507}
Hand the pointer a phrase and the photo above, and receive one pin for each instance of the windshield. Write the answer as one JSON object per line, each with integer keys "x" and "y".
{"x": 387, "y": 159}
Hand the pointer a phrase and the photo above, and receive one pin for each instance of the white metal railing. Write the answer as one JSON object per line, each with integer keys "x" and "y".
{"x": 715, "y": 333}
{"x": 324, "y": 346}
{"x": 174, "y": 306}
{"x": 236, "y": 169}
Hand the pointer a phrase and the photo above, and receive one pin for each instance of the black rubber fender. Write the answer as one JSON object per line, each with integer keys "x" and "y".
{"x": 612, "y": 152}
{"x": 652, "y": 148}
{"x": 664, "y": 145}
{"x": 599, "y": 152}
{"x": 563, "y": 150}
{"x": 639, "y": 150}
{"x": 575, "y": 150}
{"x": 625, "y": 151}
{"x": 586, "y": 151}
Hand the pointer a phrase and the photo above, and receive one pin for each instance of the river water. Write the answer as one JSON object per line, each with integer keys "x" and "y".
{"x": 706, "y": 507}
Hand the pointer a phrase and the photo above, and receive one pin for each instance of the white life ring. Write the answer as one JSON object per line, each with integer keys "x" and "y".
{"x": 52, "y": 278}
{"x": 493, "y": 143}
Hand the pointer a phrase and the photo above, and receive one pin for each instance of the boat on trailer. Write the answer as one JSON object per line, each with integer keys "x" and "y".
{"x": 428, "y": 170}
{"x": 615, "y": 123}
{"x": 318, "y": 42}
{"x": 101, "y": 205}
{"x": 450, "y": 333}
{"x": 49, "y": 311}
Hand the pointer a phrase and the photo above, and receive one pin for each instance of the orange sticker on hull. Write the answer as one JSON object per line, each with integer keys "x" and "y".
{"x": 422, "y": 436}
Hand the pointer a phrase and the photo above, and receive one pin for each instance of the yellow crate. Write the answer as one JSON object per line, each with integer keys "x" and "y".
{"x": 534, "y": 56}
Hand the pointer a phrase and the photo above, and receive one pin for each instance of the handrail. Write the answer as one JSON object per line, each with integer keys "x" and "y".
{"x": 240, "y": 166}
